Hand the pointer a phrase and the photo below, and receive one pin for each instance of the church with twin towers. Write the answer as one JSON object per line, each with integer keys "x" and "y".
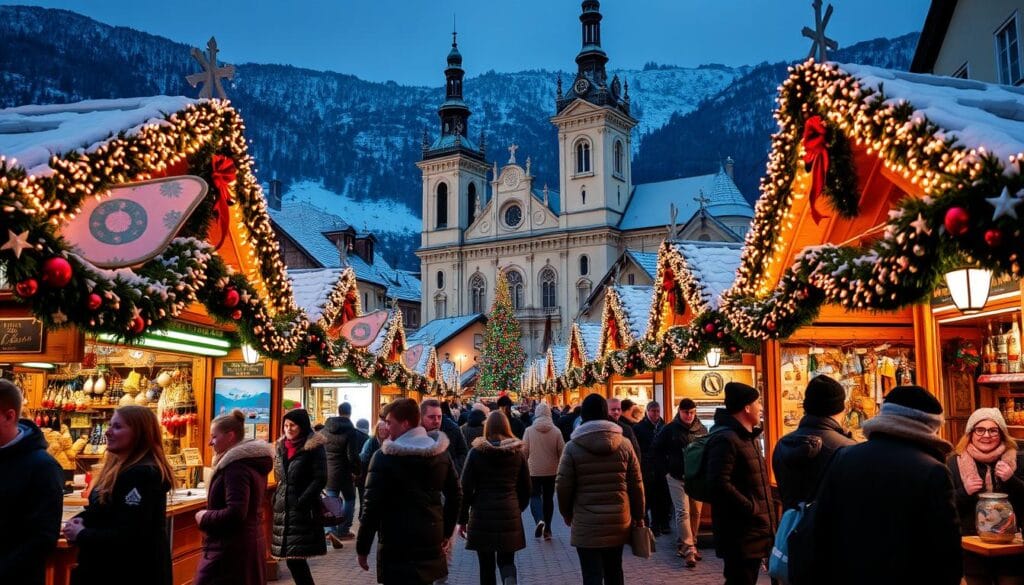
{"x": 556, "y": 246}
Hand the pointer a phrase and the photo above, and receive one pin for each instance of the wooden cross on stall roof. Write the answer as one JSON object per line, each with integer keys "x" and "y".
{"x": 821, "y": 44}
{"x": 211, "y": 74}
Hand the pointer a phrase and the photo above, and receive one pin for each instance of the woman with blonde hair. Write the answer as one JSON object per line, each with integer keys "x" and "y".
{"x": 122, "y": 534}
{"x": 495, "y": 491}
{"x": 234, "y": 548}
{"x": 986, "y": 459}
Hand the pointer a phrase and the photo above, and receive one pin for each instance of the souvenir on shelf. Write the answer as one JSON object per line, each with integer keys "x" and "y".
{"x": 995, "y": 521}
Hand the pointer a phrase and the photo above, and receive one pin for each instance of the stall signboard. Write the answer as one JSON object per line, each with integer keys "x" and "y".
{"x": 703, "y": 384}
{"x": 21, "y": 335}
{"x": 243, "y": 370}
{"x": 192, "y": 457}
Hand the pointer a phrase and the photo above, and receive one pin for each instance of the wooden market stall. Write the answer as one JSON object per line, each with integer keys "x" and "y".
{"x": 624, "y": 322}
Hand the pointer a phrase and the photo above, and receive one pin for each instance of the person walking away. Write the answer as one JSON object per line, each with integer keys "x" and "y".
{"x": 341, "y": 444}
{"x": 300, "y": 467}
{"x": 474, "y": 426}
{"x": 986, "y": 459}
{"x": 433, "y": 419}
{"x": 567, "y": 423}
{"x": 412, "y": 501}
{"x": 542, "y": 445}
{"x": 893, "y": 494}
{"x": 801, "y": 457}
{"x": 495, "y": 491}
{"x": 615, "y": 415}
{"x": 505, "y": 405}
{"x": 668, "y": 447}
{"x": 362, "y": 436}
{"x": 653, "y": 469}
{"x": 32, "y": 492}
{"x": 600, "y": 493}
{"x": 743, "y": 519}
{"x": 122, "y": 534}
{"x": 234, "y": 548}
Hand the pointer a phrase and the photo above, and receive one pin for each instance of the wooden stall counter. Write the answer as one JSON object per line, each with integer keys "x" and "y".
{"x": 975, "y": 545}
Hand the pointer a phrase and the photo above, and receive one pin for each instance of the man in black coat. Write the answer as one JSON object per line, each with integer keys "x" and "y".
{"x": 615, "y": 415}
{"x": 432, "y": 418}
{"x": 668, "y": 447}
{"x": 566, "y": 422}
{"x": 341, "y": 441}
{"x": 518, "y": 428}
{"x": 655, "y": 488}
{"x": 31, "y": 492}
{"x": 744, "y": 516}
{"x": 895, "y": 493}
{"x": 412, "y": 501}
{"x": 801, "y": 457}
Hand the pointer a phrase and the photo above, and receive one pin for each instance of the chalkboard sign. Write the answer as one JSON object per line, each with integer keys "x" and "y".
{"x": 21, "y": 336}
{"x": 242, "y": 369}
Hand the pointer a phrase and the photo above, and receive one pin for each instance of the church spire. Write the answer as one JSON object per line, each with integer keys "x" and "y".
{"x": 454, "y": 112}
{"x": 591, "y": 83}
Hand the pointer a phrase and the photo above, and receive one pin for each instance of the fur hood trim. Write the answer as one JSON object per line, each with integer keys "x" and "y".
{"x": 251, "y": 449}
{"x": 417, "y": 442}
{"x": 506, "y": 445}
{"x": 596, "y": 426}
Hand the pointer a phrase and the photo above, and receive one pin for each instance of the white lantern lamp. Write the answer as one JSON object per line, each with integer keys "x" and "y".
{"x": 969, "y": 288}
{"x": 249, "y": 354}
{"x": 713, "y": 357}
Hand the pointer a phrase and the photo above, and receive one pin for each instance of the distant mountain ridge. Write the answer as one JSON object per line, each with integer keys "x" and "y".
{"x": 362, "y": 138}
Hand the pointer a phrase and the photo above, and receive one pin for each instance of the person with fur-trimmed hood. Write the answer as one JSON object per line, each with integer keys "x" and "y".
{"x": 600, "y": 492}
{"x": 234, "y": 548}
{"x": 301, "y": 471}
{"x": 495, "y": 491}
{"x": 411, "y": 501}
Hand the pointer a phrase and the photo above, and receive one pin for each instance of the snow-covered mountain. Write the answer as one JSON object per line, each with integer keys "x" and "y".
{"x": 334, "y": 133}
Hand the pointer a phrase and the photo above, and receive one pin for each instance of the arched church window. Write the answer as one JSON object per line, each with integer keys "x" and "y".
{"x": 584, "y": 265}
{"x": 617, "y": 151}
{"x": 478, "y": 292}
{"x": 471, "y": 201}
{"x": 583, "y": 292}
{"x": 548, "y": 285}
{"x": 440, "y": 279}
{"x": 515, "y": 288}
{"x": 442, "y": 205}
{"x": 583, "y": 156}
{"x": 440, "y": 306}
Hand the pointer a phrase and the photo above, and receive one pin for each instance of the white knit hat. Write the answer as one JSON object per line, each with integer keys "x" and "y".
{"x": 991, "y": 414}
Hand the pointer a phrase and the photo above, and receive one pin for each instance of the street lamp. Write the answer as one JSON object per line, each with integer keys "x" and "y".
{"x": 713, "y": 357}
{"x": 249, "y": 354}
{"x": 969, "y": 288}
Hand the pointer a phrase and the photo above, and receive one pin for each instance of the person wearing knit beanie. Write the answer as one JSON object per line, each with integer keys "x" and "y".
{"x": 738, "y": 395}
{"x": 824, "y": 397}
{"x": 992, "y": 414}
{"x": 300, "y": 417}
{"x": 594, "y": 407}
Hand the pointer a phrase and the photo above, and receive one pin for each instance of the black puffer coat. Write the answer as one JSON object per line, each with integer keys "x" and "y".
{"x": 32, "y": 496}
{"x": 645, "y": 432}
{"x": 743, "y": 519}
{"x": 341, "y": 442}
{"x": 298, "y": 532}
{"x": 474, "y": 426}
{"x": 495, "y": 491}
{"x": 457, "y": 445}
{"x": 670, "y": 443}
{"x": 801, "y": 457}
{"x": 410, "y": 504}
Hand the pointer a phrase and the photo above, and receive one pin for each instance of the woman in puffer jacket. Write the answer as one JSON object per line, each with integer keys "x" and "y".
{"x": 301, "y": 472}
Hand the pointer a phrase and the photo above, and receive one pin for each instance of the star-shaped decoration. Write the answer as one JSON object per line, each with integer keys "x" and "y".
{"x": 920, "y": 225}
{"x": 245, "y": 296}
{"x": 16, "y": 243}
{"x": 1005, "y": 204}
{"x": 59, "y": 317}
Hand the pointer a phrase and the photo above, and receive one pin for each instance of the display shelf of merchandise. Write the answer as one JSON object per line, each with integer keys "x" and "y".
{"x": 994, "y": 379}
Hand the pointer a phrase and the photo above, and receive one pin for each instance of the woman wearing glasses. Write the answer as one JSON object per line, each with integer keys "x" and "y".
{"x": 986, "y": 460}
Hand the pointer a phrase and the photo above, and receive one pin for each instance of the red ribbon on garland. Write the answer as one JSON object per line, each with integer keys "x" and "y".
{"x": 224, "y": 175}
{"x": 815, "y": 160}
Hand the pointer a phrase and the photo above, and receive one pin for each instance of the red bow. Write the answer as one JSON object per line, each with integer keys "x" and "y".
{"x": 224, "y": 175}
{"x": 815, "y": 160}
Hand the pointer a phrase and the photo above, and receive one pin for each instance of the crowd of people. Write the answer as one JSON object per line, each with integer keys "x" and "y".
{"x": 434, "y": 474}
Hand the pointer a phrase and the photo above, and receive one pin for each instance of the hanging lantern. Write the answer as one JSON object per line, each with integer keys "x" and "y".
{"x": 713, "y": 357}
{"x": 969, "y": 288}
{"x": 249, "y": 354}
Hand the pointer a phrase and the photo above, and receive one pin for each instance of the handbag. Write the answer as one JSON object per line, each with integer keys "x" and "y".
{"x": 641, "y": 540}
{"x": 331, "y": 513}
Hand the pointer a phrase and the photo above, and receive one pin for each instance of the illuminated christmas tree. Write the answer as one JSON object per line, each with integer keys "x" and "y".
{"x": 501, "y": 362}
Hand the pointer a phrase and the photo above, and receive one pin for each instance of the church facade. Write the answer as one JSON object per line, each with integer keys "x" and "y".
{"x": 554, "y": 245}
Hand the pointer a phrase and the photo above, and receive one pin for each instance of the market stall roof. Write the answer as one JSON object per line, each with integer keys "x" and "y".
{"x": 626, "y": 316}
{"x": 438, "y": 331}
{"x": 584, "y": 343}
{"x": 326, "y": 293}
{"x": 390, "y": 341}
{"x": 560, "y": 358}
{"x": 422, "y": 359}
{"x": 646, "y": 260}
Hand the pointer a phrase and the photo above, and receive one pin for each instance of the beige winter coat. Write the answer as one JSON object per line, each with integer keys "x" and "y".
{"x": 543, "y": 446}
{"x": 598, "y": 485}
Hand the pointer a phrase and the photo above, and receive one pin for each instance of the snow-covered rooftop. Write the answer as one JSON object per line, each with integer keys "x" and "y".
{"x": 560, "y": 355}
{"x": 438, "y": 331}
{"x": 636, "y": 304}
{"x": 646, "y": 260}
{"x": 713, "y": 264}
{"x": 978, "y": 114}
{"x": 377, "y": 344}
{"x": 32, "y": 134}
{"x": 590, "y": 333}
{"x": 312, "y": 287}
{"x": 649, "y": 205}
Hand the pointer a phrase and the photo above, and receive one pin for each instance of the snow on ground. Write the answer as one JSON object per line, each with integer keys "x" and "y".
{"x": 374, "y": 216}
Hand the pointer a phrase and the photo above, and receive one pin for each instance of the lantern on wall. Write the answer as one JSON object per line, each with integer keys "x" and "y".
{"x": 713, "y": 357}
{"x": 249, "y": 354}
{"x": 969, "y": 288}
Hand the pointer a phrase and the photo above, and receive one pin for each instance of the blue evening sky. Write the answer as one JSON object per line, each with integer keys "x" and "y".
{"x": 407, "y": 40}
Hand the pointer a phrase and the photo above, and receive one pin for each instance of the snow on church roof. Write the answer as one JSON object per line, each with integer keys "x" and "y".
{"x": 32, "y": 134}
{"x": 646, "y": 260}
{"x": 712, "y": 264}
{"x": 978, "y": 114}
{"x": 650, "y": 202}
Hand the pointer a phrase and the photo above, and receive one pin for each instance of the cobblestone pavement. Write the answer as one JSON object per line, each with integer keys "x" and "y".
{"x": 554, "y": 561}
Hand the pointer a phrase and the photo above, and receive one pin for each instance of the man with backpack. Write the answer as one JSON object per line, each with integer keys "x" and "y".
{"x": 669, "y": 446}
{"x": 737, "y": 483}
{"x": 801, "y": 457}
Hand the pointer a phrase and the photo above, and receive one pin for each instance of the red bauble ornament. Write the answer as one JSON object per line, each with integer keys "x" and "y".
{"x": 27, "y": 288}
{"x": 236, "y": 314}
{"x": 231, "y": 298}
{"x": 957, "y": 221}
{"x": 709, "y": 328}
{"x": 93, "y": 301}
{"x": 56, "y": 272}
{"x": 770, "y": 325}
{"x": 994, "y": 237}
{"x": 137, "y": 325}
{"x": 720, "y": 335}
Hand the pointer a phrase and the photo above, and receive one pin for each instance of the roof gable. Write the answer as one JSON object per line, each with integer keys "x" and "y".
{"x": 649, "y": 204}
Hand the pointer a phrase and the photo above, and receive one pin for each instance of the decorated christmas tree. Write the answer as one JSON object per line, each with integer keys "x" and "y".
{"x": 501, "y": 363}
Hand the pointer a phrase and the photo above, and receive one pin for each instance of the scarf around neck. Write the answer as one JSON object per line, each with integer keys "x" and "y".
{"x": 969, "y": 459}
{"x": 909, "y": 424}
